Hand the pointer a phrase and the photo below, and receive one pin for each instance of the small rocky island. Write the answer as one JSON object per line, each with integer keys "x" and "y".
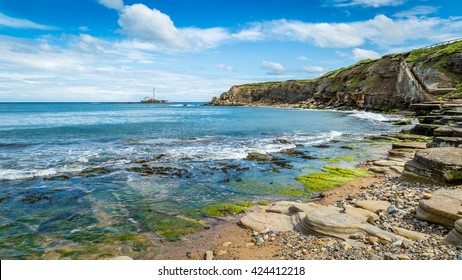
{"x": 153, "y": 98}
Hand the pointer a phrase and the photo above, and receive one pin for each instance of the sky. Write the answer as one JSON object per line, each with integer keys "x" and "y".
{"x": 118, "y": 50}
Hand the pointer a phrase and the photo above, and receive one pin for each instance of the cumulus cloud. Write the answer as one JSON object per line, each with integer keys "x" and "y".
{"x": 368, "y": 3}
{"x": 417, "y": 11}
{"x": 274, "y": 67}
{"x": 151, "y": 25}
{"x": 314, "y": 69}
{"x": 112, "y": 4}
{"x": 253, "y": 34}
{"x": 360, "y": 54}
{"x": 85, "y": 68}
{"x": 21, "y": 23}
{"x": 380, "y": 30}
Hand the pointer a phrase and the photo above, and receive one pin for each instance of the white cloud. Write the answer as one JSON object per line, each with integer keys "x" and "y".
{"x": 360, "y": 54}
{"x": 112, "y": 4}
{"x": 252, "y": 35}
{"x": 314, "y": 69}
{"x": 225, "y": 67}
{"x": 21, "y": 23}
{"x": 274, "y": 67}
{"x": 368, "y": 3}
{"x": 380, "y": 30}
{"x": 85, "y": 68}
{"x": 151, "y": 25}
{"x": 417, "y": 11}
{"x": 302, "y": 57}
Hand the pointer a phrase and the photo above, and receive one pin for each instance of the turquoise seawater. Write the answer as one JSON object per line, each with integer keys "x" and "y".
{"x": 90, "y": 180}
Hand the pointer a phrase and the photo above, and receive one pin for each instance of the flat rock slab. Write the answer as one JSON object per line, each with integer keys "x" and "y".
{"x": 448, "y": 131}
{"x": 375, "y": 206}
{"x": 363, "y": 214}
{"x": 409, "y": 145}
{"x": 388, "y": 163}
{"x": 312, "y": 218}
{"x": 281, "y": 216}
{"x": 402, "y": 152}
{"x": 444, "y": 207}
{"x": 331, "y": 221}
{"x": 263, "y": 222}
{"x": 436, "y": 164}
{"x": 446, "y": 142}
{"x": 413, "y": 235}
{"x": 425, "y": 129}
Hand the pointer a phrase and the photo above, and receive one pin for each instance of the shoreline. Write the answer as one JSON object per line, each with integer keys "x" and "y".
{"x": 231, "y": 241}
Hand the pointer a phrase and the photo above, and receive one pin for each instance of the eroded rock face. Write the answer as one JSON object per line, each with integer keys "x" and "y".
{"x": 436, "y": 164}
{"x": 444, "y": 207}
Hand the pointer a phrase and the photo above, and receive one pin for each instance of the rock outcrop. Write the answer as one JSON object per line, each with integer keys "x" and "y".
{"x": 311, "y": 218}
{"x": 436, "y": 164}
{"x": 444, "y": 207}
{"x": 392, "y": 82}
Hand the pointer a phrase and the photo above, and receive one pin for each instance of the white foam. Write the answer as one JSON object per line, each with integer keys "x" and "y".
{"x": 12, "y": 174}
{"x": 372, "y": 116}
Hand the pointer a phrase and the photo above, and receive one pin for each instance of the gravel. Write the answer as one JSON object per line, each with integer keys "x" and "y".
{"x": 404, "y": 197}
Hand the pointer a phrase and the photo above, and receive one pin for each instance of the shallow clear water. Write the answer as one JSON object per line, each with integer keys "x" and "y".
{"x": 80, "y": 176}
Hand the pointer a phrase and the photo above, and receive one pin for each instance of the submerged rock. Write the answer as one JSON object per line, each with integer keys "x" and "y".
{"x": 331, "y": 176}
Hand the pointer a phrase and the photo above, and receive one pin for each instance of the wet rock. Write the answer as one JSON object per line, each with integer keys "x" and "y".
{"x": 259, "y": 157}
{"x": 409, "y": 145}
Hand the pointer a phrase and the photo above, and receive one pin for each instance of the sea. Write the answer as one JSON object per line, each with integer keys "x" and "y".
{"x": 97, "y": 180}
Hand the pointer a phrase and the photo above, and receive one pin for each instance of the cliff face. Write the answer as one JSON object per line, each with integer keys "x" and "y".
{"x": 392, "y": 82}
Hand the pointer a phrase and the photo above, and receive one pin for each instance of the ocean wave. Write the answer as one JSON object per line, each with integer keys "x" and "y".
{"x": 372, "y": 116}
{"x": 14, "y": 174}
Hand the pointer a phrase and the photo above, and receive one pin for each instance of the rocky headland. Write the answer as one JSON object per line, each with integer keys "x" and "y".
{"x": 389, "y": 83}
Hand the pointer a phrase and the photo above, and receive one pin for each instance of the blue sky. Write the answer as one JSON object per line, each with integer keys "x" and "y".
{"x": 117, "y": 50}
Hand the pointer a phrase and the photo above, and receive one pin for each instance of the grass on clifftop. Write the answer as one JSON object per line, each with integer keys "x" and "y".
{"x": 330, "y": 177}
{"x": 334, "y": 73}
{"x": 429, "y": 53}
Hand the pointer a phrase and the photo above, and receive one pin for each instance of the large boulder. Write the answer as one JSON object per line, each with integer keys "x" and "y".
{"x": 444, "y": 207}
{"x": 436, "y": 164}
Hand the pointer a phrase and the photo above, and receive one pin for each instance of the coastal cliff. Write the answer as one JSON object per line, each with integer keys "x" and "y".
{"x": 391, "y": 82}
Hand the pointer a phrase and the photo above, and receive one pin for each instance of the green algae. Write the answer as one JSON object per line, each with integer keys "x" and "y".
{"x": 337, "y": 159}
{"x": 170, "y": 227}
{"x": 223, "y": 209}
{"x": 263, "y": 203}
{"x": 294, "y": 192}
{"x": 330, "y": 177}
{"x": 331, "y": 160}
